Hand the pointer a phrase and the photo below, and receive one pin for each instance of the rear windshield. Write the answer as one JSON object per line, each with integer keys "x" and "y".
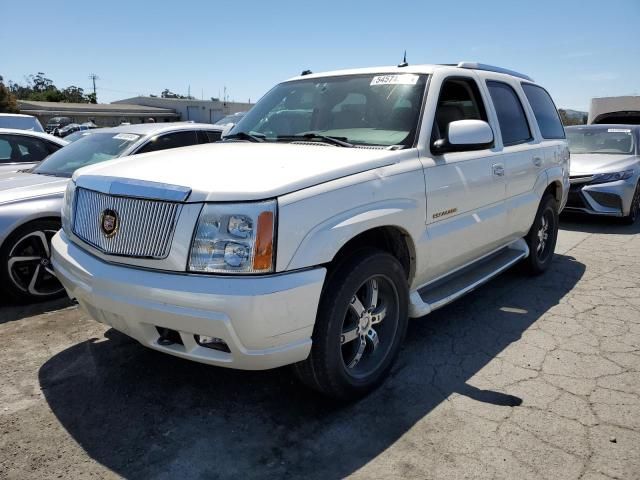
{"x": 601, "y": 140}
{"x": 20, "y": 123}
{"x": 94, "y": 148}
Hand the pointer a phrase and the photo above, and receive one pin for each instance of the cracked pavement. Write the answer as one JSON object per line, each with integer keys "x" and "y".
{"x": 528, "y": 378}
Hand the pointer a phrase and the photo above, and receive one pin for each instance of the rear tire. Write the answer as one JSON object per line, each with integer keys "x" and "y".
{"x": 542, "y": 237}
{"x": 634, "y": 211}
{"x": 25, "y": 269}
{"x": 361, "y": 323}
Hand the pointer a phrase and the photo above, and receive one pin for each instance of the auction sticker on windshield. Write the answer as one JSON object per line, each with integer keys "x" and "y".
{"x": 619, "y": 130}
{"x": 404, "y": 79}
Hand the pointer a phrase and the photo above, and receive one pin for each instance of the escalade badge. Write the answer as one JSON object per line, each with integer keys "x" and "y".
{"x": 109, "y": 222}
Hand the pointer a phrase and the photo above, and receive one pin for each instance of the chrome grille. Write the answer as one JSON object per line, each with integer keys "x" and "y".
{"x": 145, "y": 227}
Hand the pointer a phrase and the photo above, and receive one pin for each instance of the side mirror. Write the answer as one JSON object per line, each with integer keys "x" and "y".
{"x": 465, "y": 135}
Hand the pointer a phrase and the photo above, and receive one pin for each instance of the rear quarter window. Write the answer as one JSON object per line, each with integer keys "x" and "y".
{"x": 545, "y": 111}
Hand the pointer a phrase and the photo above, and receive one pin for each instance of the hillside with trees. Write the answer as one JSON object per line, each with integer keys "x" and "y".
{"x": 40, "y": 88}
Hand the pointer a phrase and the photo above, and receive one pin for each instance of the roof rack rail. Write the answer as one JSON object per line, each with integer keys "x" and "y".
{"x": 491, "y": 68}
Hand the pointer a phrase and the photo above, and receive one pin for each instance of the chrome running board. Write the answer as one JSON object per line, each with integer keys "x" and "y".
{"x": 445, "y": 290}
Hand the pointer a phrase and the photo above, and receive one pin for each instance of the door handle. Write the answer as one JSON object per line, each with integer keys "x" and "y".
{"x": 498, "y": 169}
{"x": 537, "y": 161}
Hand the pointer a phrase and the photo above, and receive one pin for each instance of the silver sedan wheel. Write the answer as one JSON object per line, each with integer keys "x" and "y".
{"x": 29, "y": 264}
{"x": 369, "y": 326}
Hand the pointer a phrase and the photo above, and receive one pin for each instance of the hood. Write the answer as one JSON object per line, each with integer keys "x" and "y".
{"x": 17, "y": 186}
{"x": 232, "y": 171}
{"x": 591, "y": 163}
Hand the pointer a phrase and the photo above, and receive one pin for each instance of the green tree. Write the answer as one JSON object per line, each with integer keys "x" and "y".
{"x": 73, "y": 94}
{"x": 8, "y": 103}
{"x": 571, "y": 120}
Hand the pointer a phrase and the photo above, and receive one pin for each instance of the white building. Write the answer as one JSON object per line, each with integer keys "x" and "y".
{"x": 624, "y": 109}
{"x": 204, "y": 111}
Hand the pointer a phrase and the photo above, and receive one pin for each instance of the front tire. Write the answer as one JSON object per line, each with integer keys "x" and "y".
{"x": 25, "y": 263}
{"x": 542, "y": 237}
{"x": 361, "y": 323}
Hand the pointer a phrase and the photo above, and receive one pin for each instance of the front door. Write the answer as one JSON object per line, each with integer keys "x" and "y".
{"x": 466, "y": 215}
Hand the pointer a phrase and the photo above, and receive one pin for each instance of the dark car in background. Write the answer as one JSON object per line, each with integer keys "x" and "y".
{"x": 75, "y": 127}
{"x": 56, "y": 123}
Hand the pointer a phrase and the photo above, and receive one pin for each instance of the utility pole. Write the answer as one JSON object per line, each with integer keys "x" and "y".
{"x": 94, "y": 77}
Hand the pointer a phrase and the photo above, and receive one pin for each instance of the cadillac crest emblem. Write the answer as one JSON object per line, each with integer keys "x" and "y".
{"x": 109, "y": 222}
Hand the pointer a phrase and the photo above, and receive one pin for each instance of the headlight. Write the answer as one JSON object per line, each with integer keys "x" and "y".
{"x": 234, "y": 238}
{"x": 67, "y": 207}
{"x": 612, "y": 177}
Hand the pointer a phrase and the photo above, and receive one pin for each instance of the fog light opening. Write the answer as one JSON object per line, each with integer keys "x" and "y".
{"x": 168, "y": 337}
{"x": 213, "y": 343}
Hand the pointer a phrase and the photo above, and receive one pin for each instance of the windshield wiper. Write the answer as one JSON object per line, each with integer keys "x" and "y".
{"x": 339, "y": 141}
{"x": 252, "y": 137}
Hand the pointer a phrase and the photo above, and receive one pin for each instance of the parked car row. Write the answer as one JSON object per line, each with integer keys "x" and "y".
{"x": 340, "y": 206}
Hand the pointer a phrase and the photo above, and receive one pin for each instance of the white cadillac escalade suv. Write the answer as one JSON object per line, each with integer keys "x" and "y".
{"x": 341, "y": 205}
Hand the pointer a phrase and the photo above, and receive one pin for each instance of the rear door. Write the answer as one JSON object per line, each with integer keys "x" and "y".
{"x": 519, "y": 149}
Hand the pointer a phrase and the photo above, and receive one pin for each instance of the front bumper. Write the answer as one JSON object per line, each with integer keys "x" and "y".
{"x": 609, "y": 199}
{"x": 266, "y": 322}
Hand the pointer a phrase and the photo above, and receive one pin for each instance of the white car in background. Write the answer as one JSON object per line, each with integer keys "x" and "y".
{"x": 30, "y": 201}
{"x": 20, "y": 122}
{"x": 23, "y": 149}
{"x": 605, "y": 171}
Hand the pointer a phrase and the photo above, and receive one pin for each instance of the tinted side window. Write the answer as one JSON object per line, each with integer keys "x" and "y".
{"x": 544, "y": 110}
{"x": 170, "y": 140}
{"x": 213, "y": 136}
{"x": 459, "y": 100}
{"x": 208, "y": 136}
{"x": 22, "y": 149}
{"x": 511, "y": 117}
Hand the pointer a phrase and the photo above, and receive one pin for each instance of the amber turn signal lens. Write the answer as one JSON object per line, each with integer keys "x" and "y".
{"x": 263, "y": 250}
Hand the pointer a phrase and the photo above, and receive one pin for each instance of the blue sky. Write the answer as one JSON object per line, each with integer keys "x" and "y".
{"x": 577, "y": 49}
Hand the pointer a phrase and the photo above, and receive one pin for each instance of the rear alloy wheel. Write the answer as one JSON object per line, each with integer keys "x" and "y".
{"x": 27, "y": 273}
{"x": 634, "y": 210}
{"x": 542, "y": 237}
{"x": 361, "y": 322}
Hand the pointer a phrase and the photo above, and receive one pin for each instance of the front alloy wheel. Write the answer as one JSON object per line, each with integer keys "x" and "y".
{"x": 365, "y": 338}
{"x": 360, "y": 325}
{"x": 26, "y": 259}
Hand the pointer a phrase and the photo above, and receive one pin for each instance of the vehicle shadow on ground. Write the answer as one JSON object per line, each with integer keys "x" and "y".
{"x": 10, "y": 311}
{"x": 144, "y": 414}
{"x": 575, "y": 222}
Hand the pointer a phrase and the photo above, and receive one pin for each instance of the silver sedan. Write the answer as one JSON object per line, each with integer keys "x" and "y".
{"x": 605, "y": 170}
{"x": 30, "y": 201}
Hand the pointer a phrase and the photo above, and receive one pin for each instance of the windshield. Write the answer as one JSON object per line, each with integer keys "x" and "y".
{"x": 94, "y": 148}
{"x": 359, "y": 109}
{"x": 600, "y": 140}
{"x": 57, "y": 120}
{"x": 229, "y": 119}
{"x": 20, "y": 123}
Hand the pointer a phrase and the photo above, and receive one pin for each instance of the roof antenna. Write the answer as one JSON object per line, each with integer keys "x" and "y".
{"x": 404, "y": 61}
{"x": 306, "y": 72}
